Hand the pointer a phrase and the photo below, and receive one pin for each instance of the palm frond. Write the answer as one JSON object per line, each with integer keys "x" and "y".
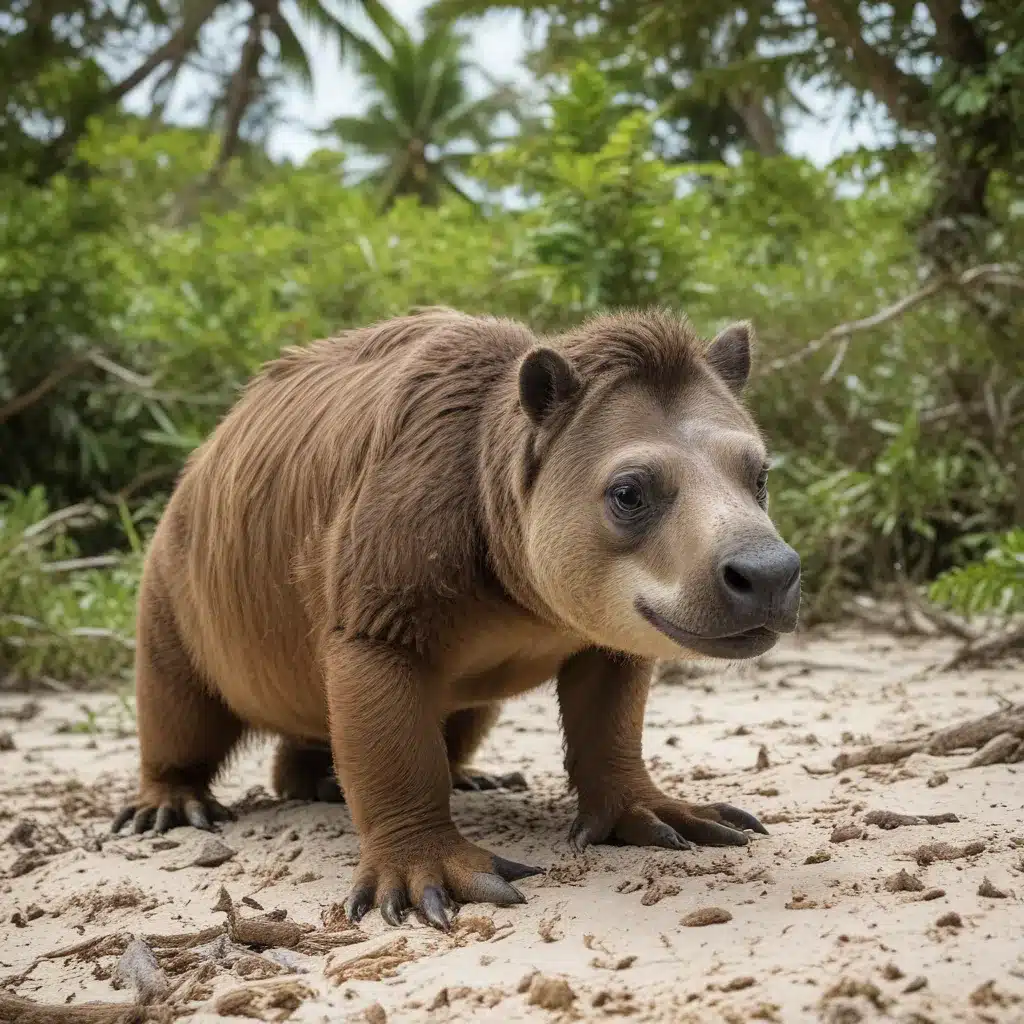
{"x": 321, "y": 20}
{"x": 292, "y": 53}
{"x": 371, "y": 132}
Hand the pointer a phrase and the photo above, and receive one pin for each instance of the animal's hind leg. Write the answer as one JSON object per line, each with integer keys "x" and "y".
{"x": 185, "y": 731}
{"x": 464, "y": 731}
{"x": 305, "y": 771}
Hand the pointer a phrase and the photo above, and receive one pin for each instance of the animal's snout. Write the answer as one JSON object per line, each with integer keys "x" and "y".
{"x": 760, "y": 586}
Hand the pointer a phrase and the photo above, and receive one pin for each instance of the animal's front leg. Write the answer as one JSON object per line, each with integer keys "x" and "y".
{"x": 392, "y": 763}
{"x": 602, "y": 698}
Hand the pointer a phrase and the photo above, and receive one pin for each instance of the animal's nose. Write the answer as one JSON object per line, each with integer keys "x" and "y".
{"x": 761, "y": 585}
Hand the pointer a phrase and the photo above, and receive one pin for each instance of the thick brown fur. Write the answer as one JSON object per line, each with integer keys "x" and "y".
{"x": 390, "y": 534}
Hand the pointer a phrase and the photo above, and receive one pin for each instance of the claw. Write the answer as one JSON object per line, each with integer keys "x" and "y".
{"x": 478, "y": 782}
{"x": 711, "y": 833}
{"x": 358, "y": 903}
{"x": 579, "y": 835}
{"x": 433, "y": 906}
{"x": 486, "y": 888}
{"x": 666, "y": 836}
{"x": 221, "y": 813}
{"x": 143, "y": 819}
{"x": 512, "y": 871}
{"x": 514, "y": 781}
{"x": 393, "y": 907}
{"x": 166, "y": 817}
{"x": 739, "y": 818}
{"x": 196, "y": 816}
{"x": 123, "y": 817}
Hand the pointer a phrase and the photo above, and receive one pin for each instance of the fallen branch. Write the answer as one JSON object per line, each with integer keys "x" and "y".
{"x": 977, "y": 734}
{"x": 1008, "y": 275}
{"x": 24, "y": 1011}
{"x": 985, "y": 648}
{"x": 139, "y": 969}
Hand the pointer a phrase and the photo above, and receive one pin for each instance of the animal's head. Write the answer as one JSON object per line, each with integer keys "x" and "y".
{"x": 647, "y": 509}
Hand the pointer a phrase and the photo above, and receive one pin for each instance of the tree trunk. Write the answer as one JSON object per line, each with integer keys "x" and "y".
{"x": 760, "y": 127}
{"x": 240, "y": 91}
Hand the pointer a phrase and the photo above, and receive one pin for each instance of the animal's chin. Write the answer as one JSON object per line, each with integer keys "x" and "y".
{"x": 748, "y": 643}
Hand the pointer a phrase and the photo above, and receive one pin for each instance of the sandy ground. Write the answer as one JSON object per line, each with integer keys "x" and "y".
{"x": 810, "y": 931}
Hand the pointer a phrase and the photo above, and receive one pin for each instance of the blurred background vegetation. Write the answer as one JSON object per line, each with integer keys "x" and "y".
{"x": 149, "y": 263}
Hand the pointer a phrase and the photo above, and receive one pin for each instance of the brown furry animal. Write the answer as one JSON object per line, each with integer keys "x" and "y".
{"x": 395, "y": 530}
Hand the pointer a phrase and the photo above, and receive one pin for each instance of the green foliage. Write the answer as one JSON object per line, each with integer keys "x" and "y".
{"x": 605, "y": 231}
{"x": 130, "y": 318}
{"x": 59, "y": 617}
{"x": 993, "y": 584}
{"x": 423, "y": 124}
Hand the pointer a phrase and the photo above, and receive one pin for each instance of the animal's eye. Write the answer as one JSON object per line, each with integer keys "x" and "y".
{"x": 626, "y": 499}
{"x": 762, "y": 488}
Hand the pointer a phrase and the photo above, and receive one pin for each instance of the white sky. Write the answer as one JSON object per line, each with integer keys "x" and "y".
{"x": 498, "y": 44}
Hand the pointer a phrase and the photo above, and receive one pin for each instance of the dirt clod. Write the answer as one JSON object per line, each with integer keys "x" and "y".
{"x": 738, "y": 984}
{"x": 272, "y": 1001}
{"x": 818, "y": 857}
{"x": 988, "y": 889}
{"x": 550, "y": 993}
{"x": 375, "y": 1014}
{"x": 890, "y": 819}
{"x": 938, "y": 779}
{"x": 931, "y": 852}
{"x": 903, "y": 881}
{"x": 950, "y": 920}
{"x": 705, "y": 916}
{"x": 844, "y": 833}
{"x": 916, "y": 984}
{"x": 988, "y": 995}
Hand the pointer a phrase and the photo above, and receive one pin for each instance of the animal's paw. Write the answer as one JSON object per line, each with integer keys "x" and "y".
{"x": 164, "y": 807}
{"x": 432, "y": 877}
{"x": 468, "y": 779}
{"x": 659, "y": 820}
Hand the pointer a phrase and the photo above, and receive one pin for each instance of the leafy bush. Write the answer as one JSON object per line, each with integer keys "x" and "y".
{"x": 143, "y": 307}
{"x": 62, "y": 616}
{"x": 993, "y": 584}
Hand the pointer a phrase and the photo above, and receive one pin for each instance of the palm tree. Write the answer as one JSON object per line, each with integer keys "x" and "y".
{"x": 422, "y": 127}
{"x": 266, "y": 29}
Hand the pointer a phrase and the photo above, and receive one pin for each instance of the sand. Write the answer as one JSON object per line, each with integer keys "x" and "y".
{"x": 832, "y": 917}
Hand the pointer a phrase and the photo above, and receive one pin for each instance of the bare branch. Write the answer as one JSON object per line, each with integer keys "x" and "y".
{"x": 44, "y": 387}
{"x": 905, "y": 95}
{"x": 82, "y": 514}
{"x": 1007, "y": 275}
{"x": 76, "y": 564}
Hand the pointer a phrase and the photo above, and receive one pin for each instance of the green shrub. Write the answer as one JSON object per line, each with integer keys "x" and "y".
{"x": 992, "y": 584}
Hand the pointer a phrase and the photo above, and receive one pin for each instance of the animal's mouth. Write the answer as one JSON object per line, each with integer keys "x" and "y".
{"x": 747, "y": 643}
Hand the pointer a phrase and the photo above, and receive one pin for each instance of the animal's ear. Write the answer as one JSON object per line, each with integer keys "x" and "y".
{"x": 729, "y": 354}
{"x": 546, "y": 380}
